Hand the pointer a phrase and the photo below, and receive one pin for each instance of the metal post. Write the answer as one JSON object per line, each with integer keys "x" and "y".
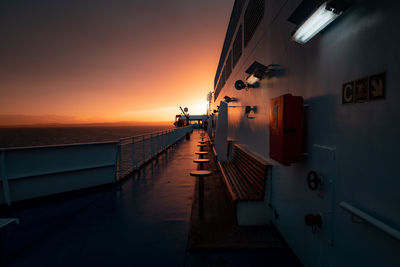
{"x": 133, "y": 153}
{"x": 163, "y": 140}
{"x": 156, "y": 143}
{"x": 201, "y": 197}
{"x": 119, "y": 161}
{"x": 143, "y": 152}
{"x": 151, "y": 145}
{"x": 168, "y": 138}
{"x": 4, "y": 179}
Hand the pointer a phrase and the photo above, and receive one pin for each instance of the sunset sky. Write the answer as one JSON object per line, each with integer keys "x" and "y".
{"x": 102, "y": 61}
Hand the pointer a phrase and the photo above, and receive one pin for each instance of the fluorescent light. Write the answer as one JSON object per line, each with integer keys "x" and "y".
{"x": 321, "y": 18}
{"x": 252, "y": 79}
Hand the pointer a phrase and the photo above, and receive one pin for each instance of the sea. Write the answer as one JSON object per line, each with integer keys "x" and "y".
{"x": 41, "y": 136}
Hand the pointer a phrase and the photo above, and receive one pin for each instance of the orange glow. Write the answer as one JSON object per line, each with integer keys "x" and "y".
{"x": 142, "y": 70}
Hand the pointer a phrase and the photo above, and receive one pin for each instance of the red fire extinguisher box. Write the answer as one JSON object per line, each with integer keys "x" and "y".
{"x": 286, "y": 129}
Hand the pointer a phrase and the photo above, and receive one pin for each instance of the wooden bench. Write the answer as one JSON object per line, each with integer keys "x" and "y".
{"x": 245, "y": 178}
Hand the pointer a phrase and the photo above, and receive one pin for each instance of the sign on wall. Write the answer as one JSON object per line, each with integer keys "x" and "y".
{"x": 366, "y": 89}
{"x": 377, "y": 85}
{"x": 348, "y": 93}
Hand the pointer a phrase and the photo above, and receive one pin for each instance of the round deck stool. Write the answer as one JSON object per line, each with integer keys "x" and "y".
{"x": 201, "y": 162}
{"x": 202, "y": 146}
{"x": 200, "y": 174}
{"x": 201, "y": 153}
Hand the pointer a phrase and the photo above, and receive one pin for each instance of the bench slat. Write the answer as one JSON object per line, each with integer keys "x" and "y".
{"x": 233, "y": 181}
{"x": 245, "y": 176}
{"x": 244, "y": 162}
{"x": 257, "y": 158}
{"x": 249, "y": 192}
{"x": 250, "y": 160}
{"x": 257, "y": 188}
{"x": 243, "y": 188}
{"x": 228, "y": 184}
{"x": 256, "y": 179}
{"x": 245, "y": 165}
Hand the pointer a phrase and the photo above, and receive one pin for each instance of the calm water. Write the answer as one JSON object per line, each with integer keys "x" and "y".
{"x": 19, "y": 137}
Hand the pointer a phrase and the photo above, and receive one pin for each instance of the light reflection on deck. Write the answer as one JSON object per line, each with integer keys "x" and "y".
{"x": 144, "y": 221}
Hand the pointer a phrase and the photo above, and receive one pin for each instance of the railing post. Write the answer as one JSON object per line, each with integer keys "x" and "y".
{"x": 158, "y": 143}
{"x": 165, "y": 141}
{"x": 119, "y": 161}
{"x": 4, "y": 179}
{"x": 162, "y": 140}
{"x": 151, "y": 145}
{"x": 143, "y": 150}
{"x": 133, "y": 153}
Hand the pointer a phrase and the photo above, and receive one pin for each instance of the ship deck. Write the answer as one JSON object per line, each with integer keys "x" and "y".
{"x": 145, "y": 220}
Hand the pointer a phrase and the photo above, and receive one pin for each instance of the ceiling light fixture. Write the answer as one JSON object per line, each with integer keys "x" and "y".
{"x": 321, "y": 18}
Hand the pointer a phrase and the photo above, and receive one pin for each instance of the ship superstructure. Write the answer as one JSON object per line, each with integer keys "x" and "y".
{"x": 314, "y": 93}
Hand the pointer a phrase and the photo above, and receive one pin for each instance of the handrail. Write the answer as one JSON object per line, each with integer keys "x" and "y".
{"x": 85, "y": 144}
{"x": 394, "y": 233}
{"x": 146, "y": 134}
{"x": 135, "y": 151}
{"x": 48, "y": 170}
{"x": 65, "y": 159}
{"x": 89, "y": 167}
{"x": 57, "y": 145}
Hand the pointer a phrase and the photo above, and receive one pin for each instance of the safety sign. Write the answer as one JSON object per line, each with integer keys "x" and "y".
{"x": 370, "y": 88}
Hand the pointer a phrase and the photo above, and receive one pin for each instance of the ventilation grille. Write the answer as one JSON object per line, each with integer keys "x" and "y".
{"x": 221, "y": 84}
{"x": 237, "y": 46}
{"x": 217, "y": 91}
{"x": 235, "y": 16}
{"x": 228, "y": 66}
{"x": 252, "y": 17}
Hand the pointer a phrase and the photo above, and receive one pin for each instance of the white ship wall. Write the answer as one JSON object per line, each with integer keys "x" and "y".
{"x": 355, "y": 146}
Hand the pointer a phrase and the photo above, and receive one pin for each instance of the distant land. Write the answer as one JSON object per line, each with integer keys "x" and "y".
{"x": 18, "y": 120}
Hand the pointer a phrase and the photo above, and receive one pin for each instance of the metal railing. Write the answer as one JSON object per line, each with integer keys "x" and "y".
{"x": 60, "y": 168}
{"x": 135, "y": 151}
{"x": 394, "y": 233}
{"x": 30, "y": 172}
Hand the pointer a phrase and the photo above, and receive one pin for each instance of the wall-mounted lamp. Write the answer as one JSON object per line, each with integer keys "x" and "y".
{"x": 322, "y": 17}
{"x": 230, "y": 99}
{"x": 257, "y": 72}
{"x": 249, "y": 109}
{"x": 239, "y": 85}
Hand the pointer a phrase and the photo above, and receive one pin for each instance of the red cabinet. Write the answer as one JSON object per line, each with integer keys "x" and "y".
{"x": 286, "y": 129}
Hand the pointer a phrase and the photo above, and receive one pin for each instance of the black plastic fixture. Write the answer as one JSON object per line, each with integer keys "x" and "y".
{"x": 257, "y": 72}
{"x": 230, "y": 99}
{"x": 249, "y": 109}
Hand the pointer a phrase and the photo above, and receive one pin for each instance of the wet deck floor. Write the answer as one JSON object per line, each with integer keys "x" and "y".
{"x": 144, "y": 221}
